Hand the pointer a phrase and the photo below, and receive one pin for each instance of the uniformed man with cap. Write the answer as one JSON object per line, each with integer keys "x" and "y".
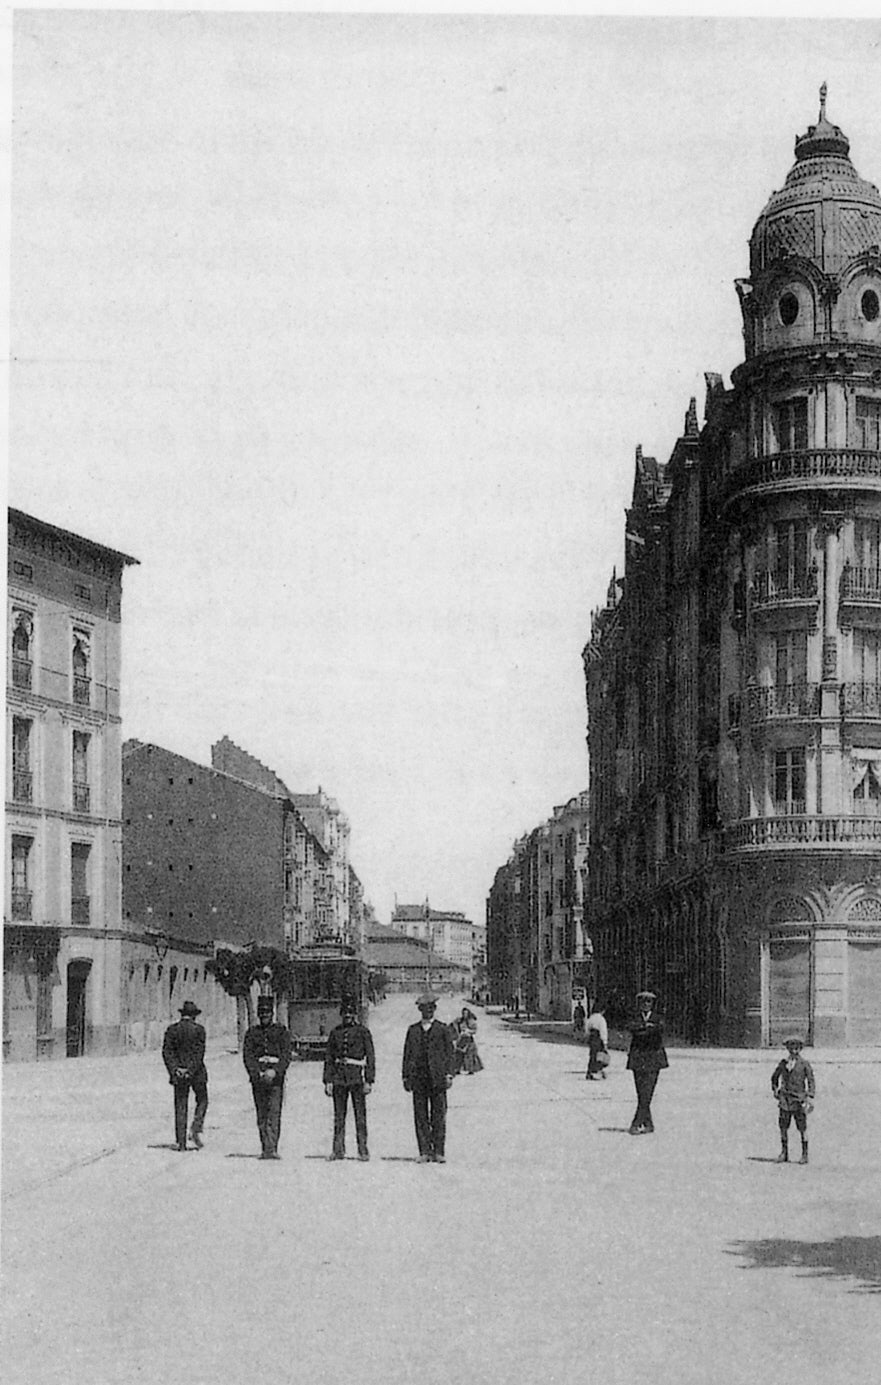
{"x": 267, "y": 1053}
{"x": 349, "y": 1072}
{"x": 183, "y": 1053}
{"x": 645, "y": 1059}
{"x": 792, "y": 1083}
{"x": 427, "y": 1070}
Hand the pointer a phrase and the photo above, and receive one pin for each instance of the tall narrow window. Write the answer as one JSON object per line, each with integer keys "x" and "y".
{"x": 791, "y": 425}
{"x": 81, "y": 791}
{"x": 867, "y": 543}
{"x": 789, "y": 781}
{"x": 22, "y": 640}
{"x": 82, "y": 679}
{"x": 22, "y": 774}
{"x": 79, "y": 882}
{"x": 867, "y": 656}
{"x": 869, "y": 423}
{"x": 791, "y": 658}
{"x": 790, "y": 546}
{"x": 22, "y": 899}
{"x": 867, "y": 792}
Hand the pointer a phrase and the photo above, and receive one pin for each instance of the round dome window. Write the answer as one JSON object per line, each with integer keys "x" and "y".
{"x": 869, "y": 304}
{"x": 788, "y": 308}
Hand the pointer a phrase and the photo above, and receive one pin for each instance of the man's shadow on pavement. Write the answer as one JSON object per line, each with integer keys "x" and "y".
{"x": 613, "y": 1129}
{"x": 845, "y": 1257}
{"x": 175, "y": 1148}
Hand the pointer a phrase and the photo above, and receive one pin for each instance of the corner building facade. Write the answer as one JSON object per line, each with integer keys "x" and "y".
{"x": 734, "y": 674}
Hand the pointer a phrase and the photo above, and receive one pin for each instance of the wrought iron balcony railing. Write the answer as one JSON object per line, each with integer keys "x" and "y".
{"x": 803, "y": 830}
{"x": 771, "y": 588}
{"x": 22, "y": 786}
{"x": 82, "y": 690}
{"x": 806, "y": 467}
{"x": 862, "y": 584}
{"x": 789, "y": 700}
{"x": 81, "y": 798}
{"x": 22, "y": 672}
{"x": 860, "y": 700}
{"x": 79, "y": 910}
{"x": 22, "y": 902}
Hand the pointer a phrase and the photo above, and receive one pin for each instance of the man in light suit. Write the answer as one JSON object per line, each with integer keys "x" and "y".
{"x": 427, "y": 1071}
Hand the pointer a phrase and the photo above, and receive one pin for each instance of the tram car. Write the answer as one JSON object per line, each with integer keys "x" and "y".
{"x": 322, "y": 975}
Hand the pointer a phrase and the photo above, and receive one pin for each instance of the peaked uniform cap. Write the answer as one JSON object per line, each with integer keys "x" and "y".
{"x": 265, "y": 1005}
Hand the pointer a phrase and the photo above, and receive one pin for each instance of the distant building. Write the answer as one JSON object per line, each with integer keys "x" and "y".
{"x": 537, "y": 950}
{"x": 407, "y": 963}
{"x": 328, "y": 825}
{"x": 64, "y": 943}
{"x": 449, "y": 934}
{"x": 734, "y": 672}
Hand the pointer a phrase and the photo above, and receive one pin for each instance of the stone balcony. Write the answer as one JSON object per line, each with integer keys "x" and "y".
{"x": 841, "y": 468}
{"x": 798, "y": 831}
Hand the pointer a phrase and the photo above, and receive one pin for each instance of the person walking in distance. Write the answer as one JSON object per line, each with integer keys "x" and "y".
{"x": 792, "y": 1083}
{"x": 349, "y": 1072}
{"x": 183, "y": 1053}
{"x": 427, "y": 1071}
{"x": 645, "y": 1060}
{"x": 266, "y": 1052}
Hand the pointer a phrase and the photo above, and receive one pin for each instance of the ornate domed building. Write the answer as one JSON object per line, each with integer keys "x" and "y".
{"x": 734, "y": 673}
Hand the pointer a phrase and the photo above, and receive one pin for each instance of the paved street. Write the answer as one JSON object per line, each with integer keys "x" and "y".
{"x": 551, "y": 1247}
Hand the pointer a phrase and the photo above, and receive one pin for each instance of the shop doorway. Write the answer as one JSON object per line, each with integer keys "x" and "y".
{"x": 789, "y": 991}
{"x": 77, "y": 995}
{"x": 864, "y": 992}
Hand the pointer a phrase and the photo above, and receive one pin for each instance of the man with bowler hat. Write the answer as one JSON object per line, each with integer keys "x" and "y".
{"x": 349, "y": 1071}
{"x": 266, "y": 1052}
{"x": 428, "y": 1066}
{"x": 183, "y": 1053}
{"x": 645, "y": 1059}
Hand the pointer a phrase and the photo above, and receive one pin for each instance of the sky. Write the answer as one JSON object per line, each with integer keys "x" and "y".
{"x": 347, "y": 328}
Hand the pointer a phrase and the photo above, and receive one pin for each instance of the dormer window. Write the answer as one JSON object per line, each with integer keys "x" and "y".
{"x": 869, "y": 305}
{"x": 787, "y": 307}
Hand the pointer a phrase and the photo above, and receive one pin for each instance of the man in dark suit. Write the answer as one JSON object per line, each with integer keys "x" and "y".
{"x": 266, "y": 1052}
{"x": 645, "y": 1059}
{"x": 427, "y": 1071}
{"x": 349, "y": 1071}
{"x": 183, "y": 1053}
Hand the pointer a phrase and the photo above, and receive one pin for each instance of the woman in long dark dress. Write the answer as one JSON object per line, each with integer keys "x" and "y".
{"x": 467, "y": 1057}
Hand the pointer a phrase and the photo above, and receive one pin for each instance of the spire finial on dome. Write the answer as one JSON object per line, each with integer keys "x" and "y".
{"x": 822, "y": 138}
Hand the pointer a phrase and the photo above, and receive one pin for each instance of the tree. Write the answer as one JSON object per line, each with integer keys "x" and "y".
{"x": 237, "y": 972}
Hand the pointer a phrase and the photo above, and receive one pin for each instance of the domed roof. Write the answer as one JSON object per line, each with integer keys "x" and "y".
{"x": 825, "y": 212}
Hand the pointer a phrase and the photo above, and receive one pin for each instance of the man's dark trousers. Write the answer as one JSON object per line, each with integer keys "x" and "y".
{"x": 430, "y": 1118}
{"x": 181, "y": 1102}
{"x": 267, "y": 1103}
{"x": 359, "y": 1106}
{"x": 645, "y": 1083}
